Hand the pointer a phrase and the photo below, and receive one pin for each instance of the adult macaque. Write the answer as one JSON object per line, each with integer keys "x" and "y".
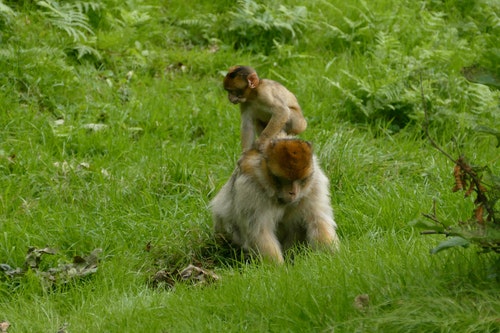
{"x": 275, "y": 199}
{"x": 267, "y": 107}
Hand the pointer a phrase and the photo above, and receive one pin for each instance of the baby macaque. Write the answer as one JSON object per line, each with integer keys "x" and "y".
{"x": 267, "y": 107}
{"x": 275, "y": 199}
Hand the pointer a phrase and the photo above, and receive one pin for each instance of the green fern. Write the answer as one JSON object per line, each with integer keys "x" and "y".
{"x": 82, "y": 50}
{"x": 71, "y": 18}
{"x": 350, "y": 33}
{"x": 7, "y": 16}
{"x": 251, "y": 26}
{"x": 6, "y": 13}
{"x": 202, "y": 29}
{"x": 259, "y": 27}
{"x": 85, "y": 7}
{"x": 67, "y": 18}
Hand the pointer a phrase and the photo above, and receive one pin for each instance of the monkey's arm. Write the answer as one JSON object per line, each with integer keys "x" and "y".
{"x": 247, "y": 129}
{"x": 280, "y": 114}
{"x": 319, "y": 222}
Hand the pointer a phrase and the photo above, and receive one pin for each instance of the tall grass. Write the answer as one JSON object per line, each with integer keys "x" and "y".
{"x": 122, "y": 147}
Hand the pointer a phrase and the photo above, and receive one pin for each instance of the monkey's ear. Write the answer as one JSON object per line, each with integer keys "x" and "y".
{"x": 253, "y": 80}
{"x": 310, "y": 145}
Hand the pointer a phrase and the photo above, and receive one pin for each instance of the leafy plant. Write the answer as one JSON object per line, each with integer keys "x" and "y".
{"x": 352, "y": 31}
{"x": 252, "y": 26}
{"x": 386, "y": 87}
{"x": 70, "y": 18}
{"x": 257, "y": 27}
{"x": 6, "y": 15}
{"x": 202, "y": 29}
{"x": 483, "y": 227}
{"x": 51, "y": 275}
{"x": 24, "y": 74}
{"x": 385, "y": 91}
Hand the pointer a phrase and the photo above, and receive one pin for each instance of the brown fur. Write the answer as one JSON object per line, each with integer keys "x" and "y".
{"x": 244, "y": 162}
{"x": 274, "y": 200}
{"x": 289, "y": 159}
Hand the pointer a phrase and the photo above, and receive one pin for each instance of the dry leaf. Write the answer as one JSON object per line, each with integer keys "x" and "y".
{"x": 198, "y": 275}
{"x": 63, "y": 328}
{"x": 63, "y": 273}
{"x": 162, "y": 278}
{"x": 11, "y": 272}
{"x": 4, "y": 326}
{"x": 362, "y": 302}
{"x": 34, "y": 256}
{"x": 193, "y": 274}
{"x": 95, "y": 127}
{"x": 459, "y": 181}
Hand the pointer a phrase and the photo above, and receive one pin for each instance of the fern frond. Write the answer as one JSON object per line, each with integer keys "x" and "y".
{"x": 6, "y": 10}
{"x": 67, "y": 18}
{"x": 85, "y": 7}
{"x": 83, "y": 50}
{"x": 483, "y": 100}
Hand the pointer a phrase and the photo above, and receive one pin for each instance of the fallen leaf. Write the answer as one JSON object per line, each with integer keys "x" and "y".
{"x": 193, "y": 274}
{"x": 81, "y": 267}
{"x": 95, "y": 127}
{"x": 162, "y": 278}
{"x": 83, "y": 165}
{"x": 4, "y": 326}
{"x": 362, "y": 302}
{"x": 63, "y": 328}
{"x": 198, "y": 275}
{"x": 11, "y": 272}
{"x": 34, "y": 256}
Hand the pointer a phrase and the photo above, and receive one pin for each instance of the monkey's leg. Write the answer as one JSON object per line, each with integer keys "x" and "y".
{"x": 296, "y": 125}
{"x": 321, "y": 234}
{"x": 268, "y": 247}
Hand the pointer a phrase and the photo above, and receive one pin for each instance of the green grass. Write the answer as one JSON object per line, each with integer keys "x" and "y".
{"x": 139, "y": 188}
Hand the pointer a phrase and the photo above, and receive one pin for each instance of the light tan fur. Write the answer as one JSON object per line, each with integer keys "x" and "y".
{"x": 267, "y": 211}
{"x": 267, "y": 107}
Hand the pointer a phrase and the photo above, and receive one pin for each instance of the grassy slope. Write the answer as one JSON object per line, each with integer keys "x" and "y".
{"x": 154, "y": 186}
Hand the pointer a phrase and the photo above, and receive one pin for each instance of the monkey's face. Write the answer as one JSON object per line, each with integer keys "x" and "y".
{"x": 236, "y": 96}
{"x": 238, "y": 87}
{"x": 289, "y": 191}
{"x": 290, "y": 166}
{"x": 237, "y": 90}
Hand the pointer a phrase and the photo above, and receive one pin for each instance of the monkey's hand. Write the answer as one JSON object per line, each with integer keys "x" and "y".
{"x": 261, "y": 144}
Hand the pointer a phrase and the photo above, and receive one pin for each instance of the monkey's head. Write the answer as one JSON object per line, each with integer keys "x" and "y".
{"x": 290, "y": 165}
{"x": 239, "y": 83}
{"x": 289, "y": 158}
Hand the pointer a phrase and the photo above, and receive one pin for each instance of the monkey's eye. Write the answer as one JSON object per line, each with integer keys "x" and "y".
{"x": 280, "y": 182}
{"x": 276, "y": 179}
{"x": 304, "y": 181}
{"x": 236, "y": 92}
